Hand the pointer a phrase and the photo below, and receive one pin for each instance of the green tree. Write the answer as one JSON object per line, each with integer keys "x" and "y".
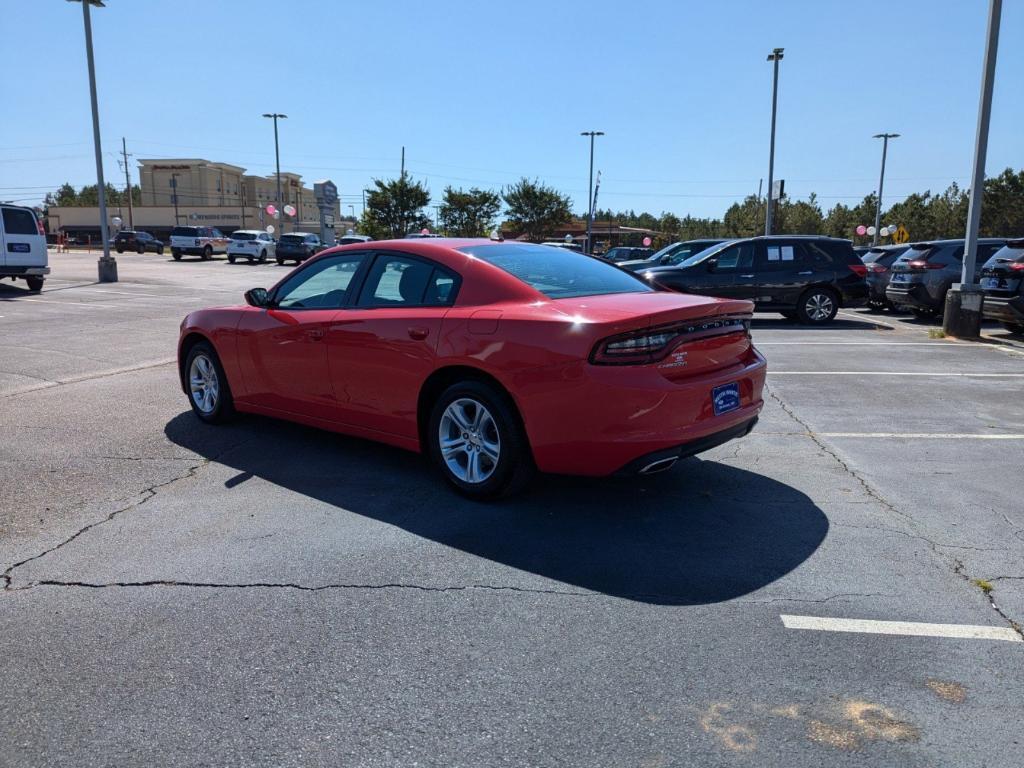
{"x": 64, "y": 196}
{"x": 949, "y": 213}
{"x": 468, "y": 214}
{"x": 913, "y": 214}
{"x": 394, "y": 208}
{"x": 799, "y": 217}
{"x": 744, "y": 219}
{"x": 535, "y": 209}
{"x": 1002, "y": 211}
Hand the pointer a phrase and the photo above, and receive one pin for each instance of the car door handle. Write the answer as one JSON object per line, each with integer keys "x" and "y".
{"x": 419, "y": 334}
{"x": 807, "y": 272}
{"x": 315, "y": 334}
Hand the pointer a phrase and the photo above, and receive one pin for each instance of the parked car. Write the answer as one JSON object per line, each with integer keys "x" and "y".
{"x": 862, "y": 250}
{"x": 575, "y": 247}
{"x": 924, "y": 273}
{"x": 878, "y": 261}
{"x": 670, "y": 254}
{"x": 297, "y": 247}
{"x": 350, "y": 239}
{"x": 804, "y": 277}
{"x": 197, "y": 241}
{"x": 385, "y": 343}
{"x": 1002, "y": 278}
{"x": 251, "y": 244}
{"x": 138, "y": 241}
{"x": 23, "y": 254}
{"x": 627, "y": 253}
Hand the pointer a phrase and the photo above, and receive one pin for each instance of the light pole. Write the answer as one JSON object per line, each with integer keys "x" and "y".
{"x": 590, "y": 193}
{"x": 775, "y": 56}
{"x": 107, "y": 265}
{"x": 964, "y": 301}
{"x": 881, "y": 180}
{"x": 277, "y": 156}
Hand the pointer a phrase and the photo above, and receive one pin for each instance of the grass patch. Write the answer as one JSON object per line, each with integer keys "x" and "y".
{"x": 983, "y": 585}
{"x": 936, "y": 333}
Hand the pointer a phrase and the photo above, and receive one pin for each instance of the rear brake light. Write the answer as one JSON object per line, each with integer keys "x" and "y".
{"x": 876, "y": 268}
{"x": 859, "y": 269}
{"x": 39, "y": 227}
{"x": 649, "y": 345}
{"x": 920, "y": 264}
{"x": 1017, "y": 266}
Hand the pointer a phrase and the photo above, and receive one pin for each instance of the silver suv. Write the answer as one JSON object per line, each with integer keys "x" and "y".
{"x": 926, "y": 271}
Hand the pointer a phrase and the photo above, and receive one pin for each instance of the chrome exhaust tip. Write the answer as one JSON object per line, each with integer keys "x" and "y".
{"x": 660, "y": 465}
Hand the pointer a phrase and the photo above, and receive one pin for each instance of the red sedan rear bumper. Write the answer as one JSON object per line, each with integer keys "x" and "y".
{"x": 601, "y": 419}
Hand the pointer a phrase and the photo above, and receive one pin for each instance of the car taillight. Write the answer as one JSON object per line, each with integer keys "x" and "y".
{"x": 877, "y": 269}
{"x": 649, "y": 345}
{"x": 39, "y": 228}
{"x": 859, "y": 269}
{"x": 920, "y": 264}
{"x": 1017, "y": 266}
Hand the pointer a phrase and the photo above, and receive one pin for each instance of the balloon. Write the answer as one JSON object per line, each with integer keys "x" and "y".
{"x": 424, "y": 231}
{"x": 290, "y": 210}
{"x": 647, "y": 241}
{"x": 271, "y": 209}
{"x": 861, "y": 230}
{"x": 871, "y": 230}
{"x": 270, "y": 229}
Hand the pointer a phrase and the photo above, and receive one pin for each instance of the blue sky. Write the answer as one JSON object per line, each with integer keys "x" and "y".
{"x": 481, "y": 93}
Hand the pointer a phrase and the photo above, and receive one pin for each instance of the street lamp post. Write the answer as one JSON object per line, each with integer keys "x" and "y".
{"x": 590, "y": 193}
{"x": 775, "y": 56}
{"x": 881, "y": 180}
{"x": 107, "y": 264}
{"x": 962, "y": 315}
{"x": 277, "y": 156}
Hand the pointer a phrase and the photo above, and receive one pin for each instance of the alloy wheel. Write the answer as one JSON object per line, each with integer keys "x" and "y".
{"x": 469, "y": 440}
{"x": 204, "y": 384}
{"x": 819, "y": 306}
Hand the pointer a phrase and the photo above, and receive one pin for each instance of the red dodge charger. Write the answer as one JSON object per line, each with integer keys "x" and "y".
{"x": 495, "y": 358}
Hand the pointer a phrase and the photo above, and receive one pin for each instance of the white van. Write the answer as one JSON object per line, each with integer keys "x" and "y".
{"x": 22, "y": 246}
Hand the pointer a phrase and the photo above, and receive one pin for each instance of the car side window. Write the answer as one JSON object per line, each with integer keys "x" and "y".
{"x": 400, "y": 281}
{"x": 779, "y": 257}
{"x": 323, "y": 284}
{"x": 736, "y": 257}
{"x": 19, "y": 222}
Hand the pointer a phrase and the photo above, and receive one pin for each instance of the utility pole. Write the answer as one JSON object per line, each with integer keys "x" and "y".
{"x": 881, "y": 180}
{"x": 127, "y": 182}
{"x": 174, "y": 196}
{"x": 243, "y": 203}
{"x": 277, "y": 159}
{"x": 590, "y": 192}
{"x": 107, "y": 265}
{"x": 962, "y": 317}
{"x": 775, "y": 56}
{"x": 403, "y": 162}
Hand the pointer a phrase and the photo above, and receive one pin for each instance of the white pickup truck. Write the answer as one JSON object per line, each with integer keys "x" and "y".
{"x": 22, "y": 246}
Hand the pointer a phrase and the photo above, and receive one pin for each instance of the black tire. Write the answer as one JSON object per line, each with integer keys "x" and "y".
{"x": 1014, "y": 328}
{"x": 924, "y": 314}
{"x": 231, "y": 259}
{"x": 35, "y": 284}
{"x": 159, "y": 250}
{"x": 224, "y": 408}
{"x": 176, "y": 254}
{"x": 141, "y": 249}
{"x": 263, "y": 256}
{"x": 514, "y": 467}
{"x": 207, "y": 253}
{"x": 875, "y": 305}
{"x": 280, "y": 261}
{"x": 817, "y": 306}
{"x": 119, "y": 249}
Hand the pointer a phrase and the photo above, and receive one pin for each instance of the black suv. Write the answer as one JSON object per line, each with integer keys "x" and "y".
{"x": 130, "y": 240}
{"x": 297, "y": 247}
{"x": 1002, "y": 278}
{"x": 878, "y": 261}
{"x": 926, "y": 271}
{"x": 804, "y": 277}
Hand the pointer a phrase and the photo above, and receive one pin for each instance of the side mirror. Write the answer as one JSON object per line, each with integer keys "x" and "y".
{"x": 711, "y": 264}
{"x": 666, "y": 259}
{"x": 257, "y": 297}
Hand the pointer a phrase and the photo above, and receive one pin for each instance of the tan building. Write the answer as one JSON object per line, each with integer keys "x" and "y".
{"x": 209, "y": 194}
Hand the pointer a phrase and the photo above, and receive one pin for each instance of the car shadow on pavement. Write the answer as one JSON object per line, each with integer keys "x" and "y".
{"x": 702, "y": 533}
{"x": 839, "y": 324}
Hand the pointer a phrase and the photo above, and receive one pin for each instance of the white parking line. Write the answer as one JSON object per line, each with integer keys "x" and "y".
{"x": 897, "y": 373}
{"x": 924, "y": 435}
{"x": 909, "y": 628}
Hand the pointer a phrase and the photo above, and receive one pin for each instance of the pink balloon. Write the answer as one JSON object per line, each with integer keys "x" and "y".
{"x": 424, "y": 231}
{"x": 647, "y": 241}
{"x": 271, "y": 210}
{"x": 862, "y": 230}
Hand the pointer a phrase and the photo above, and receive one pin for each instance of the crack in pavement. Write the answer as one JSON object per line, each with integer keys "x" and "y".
{"x": 957, "y": 565}
{"x": 147, "y": 493}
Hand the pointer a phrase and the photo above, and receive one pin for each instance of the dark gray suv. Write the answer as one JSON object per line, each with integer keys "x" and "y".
{"x": 923, "y": 274}
{"x": 1002, "y": 279}
{"x": 879, "y": 259}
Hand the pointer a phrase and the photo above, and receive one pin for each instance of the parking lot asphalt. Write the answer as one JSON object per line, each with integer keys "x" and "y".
{"x": 267, "y": 594}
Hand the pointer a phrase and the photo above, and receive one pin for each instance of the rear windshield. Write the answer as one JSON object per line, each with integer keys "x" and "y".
{"x": 185, "y": 232}
{"x": 919, "y": 253}
{"x": 558, "y": 273}
{"x": 243, "y": 236}
{"x": 18, "y": 221}
{"x": 1012, "y": 251}
{"x": 874, "y": 255}
{"x": 295, "y": 239}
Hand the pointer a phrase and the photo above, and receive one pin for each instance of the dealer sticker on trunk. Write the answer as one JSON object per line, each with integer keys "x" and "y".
{"x": 726, "y": 398}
